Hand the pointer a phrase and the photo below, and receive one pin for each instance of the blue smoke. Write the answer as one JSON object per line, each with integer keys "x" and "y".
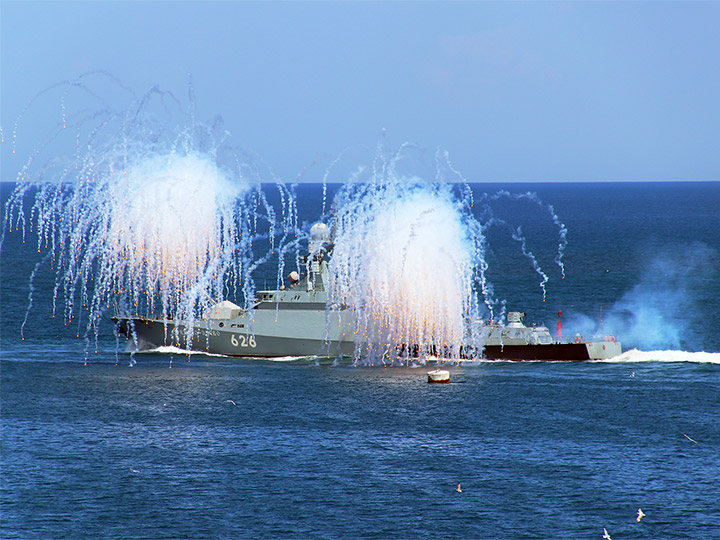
{"x": 664, "y": 308}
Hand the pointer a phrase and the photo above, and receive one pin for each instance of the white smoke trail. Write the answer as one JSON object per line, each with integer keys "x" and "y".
{"x": 518, "y": 236}
{"x": 31, "y": 292}
{"x": 533, "y": 197}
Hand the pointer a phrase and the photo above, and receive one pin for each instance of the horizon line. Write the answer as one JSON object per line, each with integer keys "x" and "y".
{"x": 475, "y": 182}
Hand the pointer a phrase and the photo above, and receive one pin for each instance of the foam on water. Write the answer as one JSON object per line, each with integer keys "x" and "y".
{"x": 635, "y": 355}
{"x": 169, "y": 349}
{"x": 286, "y": 358}
{"x": 178, "y": 351}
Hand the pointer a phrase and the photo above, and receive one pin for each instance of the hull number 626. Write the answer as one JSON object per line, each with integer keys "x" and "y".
{"x": 240, "y": 340}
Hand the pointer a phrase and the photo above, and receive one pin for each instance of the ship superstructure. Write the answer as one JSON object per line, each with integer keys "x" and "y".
{"x": 299, "y": 320}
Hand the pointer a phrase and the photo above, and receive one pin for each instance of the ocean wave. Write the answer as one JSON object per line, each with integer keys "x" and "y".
{"x": 630, "y": 356}
{"x": 286, "y": 358}
{"x": 634, "y": 355}
{"x": 169, "y": 349}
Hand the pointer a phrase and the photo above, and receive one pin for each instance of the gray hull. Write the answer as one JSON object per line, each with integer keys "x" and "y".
{"x": 267, "y": 331}
{"x": 299, "y": 321}
{"x": 309, "y": 334}
{"x": 556, "y": 352}
{"x": 149, "y": 334}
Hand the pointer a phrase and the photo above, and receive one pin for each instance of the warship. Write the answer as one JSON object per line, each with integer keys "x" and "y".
{"x": 299, "y": 321}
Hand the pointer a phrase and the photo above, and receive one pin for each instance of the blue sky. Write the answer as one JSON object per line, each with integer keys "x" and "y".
{"x": 527, "y": 91}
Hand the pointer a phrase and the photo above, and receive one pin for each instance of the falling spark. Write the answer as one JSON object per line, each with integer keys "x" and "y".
{"x": 689, "y": 439}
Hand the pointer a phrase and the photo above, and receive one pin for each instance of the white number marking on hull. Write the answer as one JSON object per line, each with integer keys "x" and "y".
{"x": 243, "y": 341}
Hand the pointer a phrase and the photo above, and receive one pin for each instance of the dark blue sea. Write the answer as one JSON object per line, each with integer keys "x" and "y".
{"x": 170, "y": 446}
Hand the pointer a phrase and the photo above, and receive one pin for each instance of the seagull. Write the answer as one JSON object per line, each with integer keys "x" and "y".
{"x": 606, "y": 535}
{"x": 689, "y": 439}
{"x": 134, "y": 470}
{"x": 640, "y": 515}
{"x": 231, "y": 401}
{"x": 459, "y": 489}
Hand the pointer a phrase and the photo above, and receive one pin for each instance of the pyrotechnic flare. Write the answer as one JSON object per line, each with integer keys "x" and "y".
{"x": 153, "y": 216}
{"x": 405, "y": 259}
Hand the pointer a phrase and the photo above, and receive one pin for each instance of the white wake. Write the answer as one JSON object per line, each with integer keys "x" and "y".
{"x": 634, "y": 355}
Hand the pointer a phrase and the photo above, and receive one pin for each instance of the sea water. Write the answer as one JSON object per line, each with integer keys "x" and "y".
{"x": 208, "y": 447}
